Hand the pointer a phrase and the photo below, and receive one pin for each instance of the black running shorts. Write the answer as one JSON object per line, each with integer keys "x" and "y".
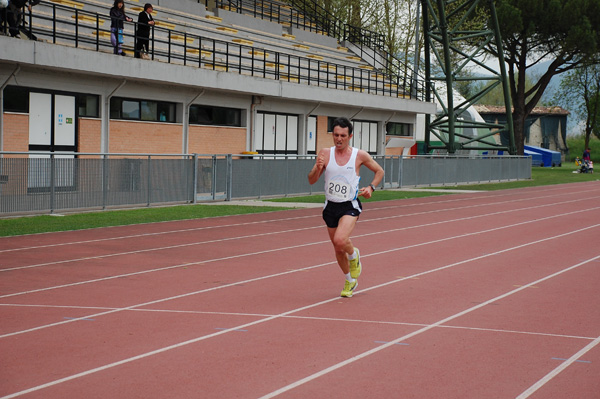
{"x": 333, "y": 212}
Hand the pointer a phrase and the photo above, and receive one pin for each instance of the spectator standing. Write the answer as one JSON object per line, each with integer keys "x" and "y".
{"x": 3, "y": 6}
{"x": 586, "y": 155}
{"x": 145, "y": 22}
{"x": 117, "y": 16}
{"x": 14, "y": 14}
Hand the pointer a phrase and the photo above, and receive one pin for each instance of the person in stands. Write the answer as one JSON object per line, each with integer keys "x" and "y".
{"x": 14, "y": 15}
{"x": 145, "y": 22}
{"x": 117, "y": 16}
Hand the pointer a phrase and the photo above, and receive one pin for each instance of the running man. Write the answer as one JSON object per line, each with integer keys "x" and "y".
{"x": 341, "y": 164}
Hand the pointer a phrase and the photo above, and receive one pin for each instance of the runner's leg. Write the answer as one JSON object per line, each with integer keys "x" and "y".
{"x": 340, "y": 238}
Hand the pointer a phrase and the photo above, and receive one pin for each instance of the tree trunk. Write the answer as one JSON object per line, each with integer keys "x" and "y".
{"x": 519, "y": 130}
{"x": 355, "y": 19}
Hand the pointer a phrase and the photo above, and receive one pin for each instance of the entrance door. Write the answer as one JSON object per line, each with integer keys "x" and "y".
{"x": 311, "y": 140}
{"x": 51, "y": 128}
{"x": 276, "y": 133}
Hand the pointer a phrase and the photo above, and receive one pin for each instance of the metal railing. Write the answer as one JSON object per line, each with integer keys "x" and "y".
{"x": 370, "y": 44}
{"x": 82, "y": 29}
{"x": 304, "y": 15}
{"x": 310, "y": 16}
{"x": 43, "y": 182}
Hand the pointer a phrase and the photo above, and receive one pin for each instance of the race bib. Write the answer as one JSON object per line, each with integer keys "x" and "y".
{"x": 339, "y": 190}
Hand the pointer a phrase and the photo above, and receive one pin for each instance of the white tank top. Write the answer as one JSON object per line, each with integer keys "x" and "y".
{"x": 341, "y": 182}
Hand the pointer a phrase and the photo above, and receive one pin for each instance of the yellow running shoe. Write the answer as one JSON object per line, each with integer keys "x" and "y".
{"x": 349, "y": 288}
{"x": 355, "y": 266}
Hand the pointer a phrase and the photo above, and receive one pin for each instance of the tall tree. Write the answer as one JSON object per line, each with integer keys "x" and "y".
{"x": 355, "y": 15}
{"x": 565, "y": 32}
{"x": 579, "y": 91}
{"x": 396, "y": 21}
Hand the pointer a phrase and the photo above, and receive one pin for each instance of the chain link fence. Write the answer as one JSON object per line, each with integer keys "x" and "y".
{"x": 35, "y": 183}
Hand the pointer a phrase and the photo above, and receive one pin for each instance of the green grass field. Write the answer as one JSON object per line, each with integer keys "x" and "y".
{"x": 51, "y": 223}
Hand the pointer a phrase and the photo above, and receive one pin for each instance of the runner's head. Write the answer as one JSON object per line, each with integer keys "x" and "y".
{"x": 343, "y": 122}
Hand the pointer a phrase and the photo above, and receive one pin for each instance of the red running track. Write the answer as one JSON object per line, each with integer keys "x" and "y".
{"x": 477, "y": 295}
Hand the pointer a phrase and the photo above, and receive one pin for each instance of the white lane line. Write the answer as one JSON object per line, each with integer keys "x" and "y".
{"x": 286, "y": 231}
{"x": 161, "y": 350}
{"x": 270, "y": 233}
{"x": 299, "y": 246}
{"x": 316, "y": 318}
{"x": 153, "y": 249}
{"x": 213, "y": 227}
{"x": 544, "y": 380}
{"x": 307, "y": 379}
{"x": 427, "y": 328}
{"x": 236, "y": 283}
{"x": 279, "y": 220}
{"x": 313, "y": 243}
{"x": 60, "y": 244}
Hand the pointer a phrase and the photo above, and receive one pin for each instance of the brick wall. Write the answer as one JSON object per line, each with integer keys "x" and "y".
{"x": 394, "y": 151}
{"x": 324, "y": 138}
{"x": 89, "y": 135}
{"x": 136, "y": 137}
{"x": 217, "y": 140}
{"x": 145, "y": 137}
{"x": 16, "y": 132}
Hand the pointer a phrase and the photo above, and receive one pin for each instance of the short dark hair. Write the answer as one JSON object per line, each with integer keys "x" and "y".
{"x": 147, "y": 6}
{"x": 343, "y": 122}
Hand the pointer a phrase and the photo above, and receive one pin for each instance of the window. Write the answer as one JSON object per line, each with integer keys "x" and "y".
{"x": 88, "y": 105}
{"x": 16, "y": 99}
{"x": 397, "y": 129}
{"x": 364, "y": 134}
{"x": 142, "y": 110}
{"x": 311, "y": 139}
{"x": 207, "y": 115}
{"x": 130, "y": 109}
{"x": 276, "y": 133}
{"x": 330, "y": 120}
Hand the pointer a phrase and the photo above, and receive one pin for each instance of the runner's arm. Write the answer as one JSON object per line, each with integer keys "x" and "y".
{"x": 368, "y": 161}
{"x": 319, "y": 166}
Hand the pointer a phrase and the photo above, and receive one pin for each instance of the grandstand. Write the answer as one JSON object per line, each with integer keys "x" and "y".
{"x": 224, "y": 77}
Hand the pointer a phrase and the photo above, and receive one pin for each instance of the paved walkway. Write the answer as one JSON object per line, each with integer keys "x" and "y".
{"x": 256, "y": 202}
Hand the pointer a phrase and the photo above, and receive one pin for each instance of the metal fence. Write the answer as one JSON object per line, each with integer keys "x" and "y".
{"x": 49, "y": 182}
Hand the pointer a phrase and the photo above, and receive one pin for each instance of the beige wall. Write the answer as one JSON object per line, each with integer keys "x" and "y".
{"x": 216, "y": 140}
{"x": 89, "y": 135}
{"x": 16, "y": 132}
{"x": 324, "y": 138}
{"x": 394, "y": 151}
{"x": 145, "y": 137}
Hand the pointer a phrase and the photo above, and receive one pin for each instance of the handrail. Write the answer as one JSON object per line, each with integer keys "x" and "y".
{"x": 361, "y": 37}
{"x": 172, "y": 46}
{"x": 313, "y": 17}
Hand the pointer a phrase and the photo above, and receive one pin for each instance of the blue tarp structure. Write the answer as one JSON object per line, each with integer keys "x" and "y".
{"x": 536, "y": 158}
{"x": 549, "y": 157}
